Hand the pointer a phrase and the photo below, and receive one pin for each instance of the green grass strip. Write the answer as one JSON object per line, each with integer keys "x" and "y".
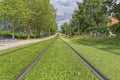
{"x": 111, "y": 45}
{"x": 107, "y": 63}
{"x": 60, "y": 63}
{"x": 16, "y": 59}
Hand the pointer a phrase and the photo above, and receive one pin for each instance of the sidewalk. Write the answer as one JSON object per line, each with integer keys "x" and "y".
{"x": 4, "y": 46}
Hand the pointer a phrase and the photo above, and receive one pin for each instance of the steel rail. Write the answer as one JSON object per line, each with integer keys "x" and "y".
{"x": 90, "y": 66}
{"x": 29, "y": 66}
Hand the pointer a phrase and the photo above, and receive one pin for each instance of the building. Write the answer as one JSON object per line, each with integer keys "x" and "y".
{"x": 113, "y": 21}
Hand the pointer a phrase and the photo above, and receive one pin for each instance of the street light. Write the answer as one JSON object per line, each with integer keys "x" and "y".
{"x": 78, "y": 27}
{"x": 70, "y": 29}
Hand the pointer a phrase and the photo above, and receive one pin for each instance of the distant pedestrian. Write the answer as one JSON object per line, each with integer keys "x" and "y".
{"x": 111, "y": 34}
{"x": 95, "y": 34}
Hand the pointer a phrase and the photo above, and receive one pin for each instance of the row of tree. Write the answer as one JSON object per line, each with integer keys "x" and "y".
{"x": 91, "y": 13}
{"x": 35, "y": 17}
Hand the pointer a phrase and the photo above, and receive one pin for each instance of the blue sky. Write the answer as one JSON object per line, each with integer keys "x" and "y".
{"x": 65, "y": 9}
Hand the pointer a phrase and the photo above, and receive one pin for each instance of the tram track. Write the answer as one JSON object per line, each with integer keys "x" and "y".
{"x": 96, "y": 72}
{"x": 29, "y": 66}
{"x": 18, "y": 49}
{"x": 99, "y": 74}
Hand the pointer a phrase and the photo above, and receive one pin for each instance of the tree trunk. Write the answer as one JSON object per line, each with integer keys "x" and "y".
{"x": 49, "y": 32}
{"x": 28, "y": 32}
{"x": 13, "y": 30}
{"x": 13, "y": 33}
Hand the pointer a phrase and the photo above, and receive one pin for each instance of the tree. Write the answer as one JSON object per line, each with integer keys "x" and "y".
{"x": 65, "y": 28}
{"x": 30, "y": 16}
{"x": 10, "y": 12}
{"x": 115, "y": 10}
{"x": 90, "y": 13}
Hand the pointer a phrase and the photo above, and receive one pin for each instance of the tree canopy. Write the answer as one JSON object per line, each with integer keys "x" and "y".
{"x": 32, "y": 17}
{"x": 92, "y": 13}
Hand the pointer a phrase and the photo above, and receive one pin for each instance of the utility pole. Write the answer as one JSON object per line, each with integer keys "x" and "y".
{"x": 70, "y": 29}
{"x": 78, "y": 27}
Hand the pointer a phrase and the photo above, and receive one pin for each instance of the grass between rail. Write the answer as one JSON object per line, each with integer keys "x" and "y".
{"x": 14, "y": 60}
{"x": 105, "y": 61}
{"x": 60, "y": 63}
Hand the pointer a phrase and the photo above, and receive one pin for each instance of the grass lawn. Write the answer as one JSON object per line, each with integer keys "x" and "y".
{"x": 105, "y": 61}
{"x": 59, "y": 63}
{"x": 111, "y": 45}
{"x": 14, "y": 60}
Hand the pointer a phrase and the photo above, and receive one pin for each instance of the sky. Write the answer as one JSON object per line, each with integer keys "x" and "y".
{"x": 65, "y": 9}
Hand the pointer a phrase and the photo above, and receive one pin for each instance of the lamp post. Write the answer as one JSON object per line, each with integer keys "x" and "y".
{"x": 70, "y": 29}
{"x": 78, "y": 27}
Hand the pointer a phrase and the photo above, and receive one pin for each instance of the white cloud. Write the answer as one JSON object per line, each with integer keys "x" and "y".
{"x": 65, "y": 9}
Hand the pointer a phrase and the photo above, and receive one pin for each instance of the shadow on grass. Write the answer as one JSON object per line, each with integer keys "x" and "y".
{"x": 106, "y": 44}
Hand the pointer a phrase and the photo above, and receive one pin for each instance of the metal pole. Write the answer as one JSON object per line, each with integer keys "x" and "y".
{"x": 78, "y": 28}
{"x": 70, "y": 29}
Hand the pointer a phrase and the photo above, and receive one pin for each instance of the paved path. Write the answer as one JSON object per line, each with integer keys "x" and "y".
{"x": 6, "y": 45}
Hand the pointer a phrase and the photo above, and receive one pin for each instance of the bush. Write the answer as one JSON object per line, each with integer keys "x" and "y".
{"x": 5, "y": 35}
{"x": 115, "y": 28}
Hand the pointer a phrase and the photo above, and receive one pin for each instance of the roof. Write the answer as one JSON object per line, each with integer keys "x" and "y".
{"x": 113, "y": 21}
